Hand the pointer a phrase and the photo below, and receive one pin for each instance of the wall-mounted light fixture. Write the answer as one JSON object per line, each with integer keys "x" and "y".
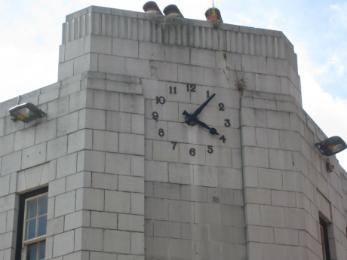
{"x": 151, "y": 7}
{"x": 26, "y": 112}
{"x": 172, "y": 11}
{"x": 331, "y": 146}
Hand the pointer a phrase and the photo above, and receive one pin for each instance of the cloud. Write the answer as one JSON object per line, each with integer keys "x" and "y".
{"x": 339, "y": 14}
{"x": 337, "y": 63}
{"x": 29, "y": 50}
{"x": 326, "y": 110}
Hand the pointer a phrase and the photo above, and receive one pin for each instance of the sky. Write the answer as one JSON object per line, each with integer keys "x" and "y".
{"x": 31, "y": 34}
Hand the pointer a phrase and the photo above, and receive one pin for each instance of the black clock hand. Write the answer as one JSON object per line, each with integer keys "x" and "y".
{"x": 202, "y": 106}
{"x": 211, "y": 130}
{"x": 189, "y": 118}
{"x": 193, "y": 120}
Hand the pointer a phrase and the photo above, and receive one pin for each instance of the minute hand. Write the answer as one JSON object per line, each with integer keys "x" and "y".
{"x": 202, "y": 106}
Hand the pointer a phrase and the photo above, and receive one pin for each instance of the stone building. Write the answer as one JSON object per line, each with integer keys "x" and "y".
{"x": 122, "y": 168}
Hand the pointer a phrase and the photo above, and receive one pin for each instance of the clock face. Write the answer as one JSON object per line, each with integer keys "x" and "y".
{"x": 190, "y": 123}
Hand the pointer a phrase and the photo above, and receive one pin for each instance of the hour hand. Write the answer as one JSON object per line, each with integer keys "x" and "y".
{"x": 189, "y": 118}
{"x": 202, "y": 106}
{"x": 211, "y": 130}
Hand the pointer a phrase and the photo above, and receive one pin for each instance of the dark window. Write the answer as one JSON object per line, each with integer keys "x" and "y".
{"x": 32, "y": 225}
{"x": 323, "y": 224}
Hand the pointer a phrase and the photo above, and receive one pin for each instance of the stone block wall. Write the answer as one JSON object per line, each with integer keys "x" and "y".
{"x": 94, "y": 170}
{"x": 287, "y": 186}
{"x": 37, "y": 154}
{"x": 115, "y": 41}
{"x": 194, "y": 206}
{"x": 127, "y": 179}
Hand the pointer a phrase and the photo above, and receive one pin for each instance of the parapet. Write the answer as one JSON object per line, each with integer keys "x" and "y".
{"x": 178, "y": 31}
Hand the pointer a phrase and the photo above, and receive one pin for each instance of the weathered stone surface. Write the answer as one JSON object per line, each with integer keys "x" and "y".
{"x": 128, "y": 179}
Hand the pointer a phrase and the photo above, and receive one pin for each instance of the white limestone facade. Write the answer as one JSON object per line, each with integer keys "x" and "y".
{"x": 127, "y": 179}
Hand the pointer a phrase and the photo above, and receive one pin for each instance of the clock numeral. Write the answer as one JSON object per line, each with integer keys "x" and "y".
{"x": 155, "y": 116}
{"x": 174, "y": 145}
{"x": 191, "y": 87}
{"x": 160, "y": 100}
{"x": 208, "y": 93}
{"x": 227, "y": 123}
{"x": 161, "y": 132}
{"x": 210, "y": 149}
{"x": 192, "y": 151}
{"x": 221, "y": 106}
{"x": 222, "y": 138}
{"x": 172, "y": 90}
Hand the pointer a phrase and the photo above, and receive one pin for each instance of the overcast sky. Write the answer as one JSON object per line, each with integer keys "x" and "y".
{"x": 31, "y": 34}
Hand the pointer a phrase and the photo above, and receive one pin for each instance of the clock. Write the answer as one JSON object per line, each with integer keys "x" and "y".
{"x": 188, "y": 123}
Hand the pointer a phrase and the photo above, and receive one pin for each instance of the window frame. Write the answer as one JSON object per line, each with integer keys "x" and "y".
{"x": 36, "y": 238}
{"x": 21, "y": 243}
{"x": 324, "y": 234}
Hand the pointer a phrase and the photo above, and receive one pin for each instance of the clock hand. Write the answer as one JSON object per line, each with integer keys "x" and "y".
{"x": 202, "y": 106}
{"x": 211, "y": 130}
{"x": 190, "y": 119}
